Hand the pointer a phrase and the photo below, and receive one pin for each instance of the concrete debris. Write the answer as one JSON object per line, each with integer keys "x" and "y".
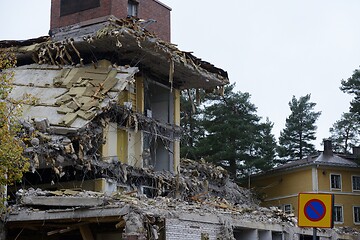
{"x": 134, "y": 223}
{"x": 236, "y": 202}
{"x": 203, "y": 179}
{"x": 126, "y": 35}
{"x": 348, "y": 230}
{"x": 227, "y": 231}
{"x": 80, "y": 148}
{"x": 144, "y": 206}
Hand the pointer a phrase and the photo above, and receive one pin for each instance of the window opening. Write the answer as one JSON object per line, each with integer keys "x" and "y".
{"x": 133, "y": 8}
{"x": 338, "y": 214}
{"x": 356, "y": 183}
{"x": 357, "y": 215}
{"x": 287, "y": 208}
{"x": 335, "y": 181}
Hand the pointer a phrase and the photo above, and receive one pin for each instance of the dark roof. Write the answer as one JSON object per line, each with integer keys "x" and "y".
{"x": 322, "y": 159}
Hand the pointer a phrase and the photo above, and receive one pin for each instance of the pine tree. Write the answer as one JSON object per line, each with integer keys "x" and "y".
{"x": 352, "y": 86}
{"x": 190, "y": 121}
{"x": 234, "y": 136}
{"x": 295, "y": 139}
{"x": 345, "y": 132}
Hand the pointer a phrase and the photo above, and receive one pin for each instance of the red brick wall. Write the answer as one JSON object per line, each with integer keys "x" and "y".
{"x": 148, "y": 9}
{"x": 61, "y": 21}
{"x": 119, "y": 8}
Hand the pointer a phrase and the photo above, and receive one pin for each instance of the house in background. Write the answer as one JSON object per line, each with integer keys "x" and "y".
{"x": 327, "y": 172}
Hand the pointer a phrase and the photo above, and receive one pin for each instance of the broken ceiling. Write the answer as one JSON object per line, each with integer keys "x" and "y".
{"x": 123, "y": 42}
{"x": 69, "y": 97}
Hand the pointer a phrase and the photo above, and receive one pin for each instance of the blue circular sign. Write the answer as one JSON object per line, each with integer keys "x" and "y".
{"x": 315, "y": 210}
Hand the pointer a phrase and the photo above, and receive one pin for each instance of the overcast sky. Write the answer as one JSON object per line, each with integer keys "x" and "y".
{"x": 271, "y": 49}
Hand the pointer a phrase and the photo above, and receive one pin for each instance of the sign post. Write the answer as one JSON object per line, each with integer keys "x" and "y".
{"x": 314, "y": 233}
{"x": 315, "y": 210}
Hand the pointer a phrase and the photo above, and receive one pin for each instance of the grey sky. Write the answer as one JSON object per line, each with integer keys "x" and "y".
{"x": 271, "y": 49}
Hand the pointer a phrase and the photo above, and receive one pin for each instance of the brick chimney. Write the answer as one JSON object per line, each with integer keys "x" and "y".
{"x": 356, "y": 151}
{"x": 70, "y": 12}
{"x": 327, "y": 147}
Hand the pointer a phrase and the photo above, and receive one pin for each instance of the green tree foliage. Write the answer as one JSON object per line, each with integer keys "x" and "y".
{"x": 352, "y": 86}
{"x": 13, "y": 163}
{"x": 295, "y": 139}
{"x": 233, "y": 135}
{"x": 345, "y": 132}
{"x": 191, "y": 124}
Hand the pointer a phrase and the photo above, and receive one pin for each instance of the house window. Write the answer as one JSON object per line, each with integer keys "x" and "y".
{"x": 335, "y": 181}
{"x": 132, "y": 8}
{"x": 338, "y": 214}
{"x": 357, "y": 215}
{"x": 287, "y": 208}
{"x": 356, "y": 183}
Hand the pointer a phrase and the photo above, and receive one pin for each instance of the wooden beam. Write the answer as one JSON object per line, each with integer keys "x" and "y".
{"x": 86, "y": 232}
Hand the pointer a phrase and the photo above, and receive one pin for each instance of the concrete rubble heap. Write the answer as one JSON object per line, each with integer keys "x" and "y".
{"x": 201, "y": 188}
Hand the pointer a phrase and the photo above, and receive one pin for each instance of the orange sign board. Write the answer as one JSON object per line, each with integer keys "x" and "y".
{"x": 315, "y": 210}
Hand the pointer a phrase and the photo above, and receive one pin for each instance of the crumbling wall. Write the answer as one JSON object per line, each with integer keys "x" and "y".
{"x": 177, "y": 229}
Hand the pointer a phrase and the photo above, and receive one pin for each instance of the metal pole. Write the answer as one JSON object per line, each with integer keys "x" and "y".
{"x": 314, "y": 233}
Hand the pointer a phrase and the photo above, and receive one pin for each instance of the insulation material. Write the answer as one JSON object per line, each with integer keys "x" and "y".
{"x": 70, "y": 97}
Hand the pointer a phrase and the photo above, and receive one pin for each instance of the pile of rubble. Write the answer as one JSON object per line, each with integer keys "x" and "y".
{"x": 199, "y": 188}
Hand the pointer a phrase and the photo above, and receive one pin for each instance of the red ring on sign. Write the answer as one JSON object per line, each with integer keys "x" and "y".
{"x": 313, "y": 205}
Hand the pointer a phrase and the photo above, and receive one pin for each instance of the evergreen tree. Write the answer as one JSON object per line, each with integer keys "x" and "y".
{"x": 295, "y": 139}
{"x": 345, "y": 132}
{"x": 234, "y": 136}
{"x": 190, "y": 121}
{"x": 266, "y": 146}
{"x": 352, "y": 86}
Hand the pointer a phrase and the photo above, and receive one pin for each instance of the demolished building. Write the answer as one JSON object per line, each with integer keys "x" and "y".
{"x": 104, "y": 129}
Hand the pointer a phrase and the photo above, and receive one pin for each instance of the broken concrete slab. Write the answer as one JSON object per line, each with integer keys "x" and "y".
{"x": 62, "y": 201}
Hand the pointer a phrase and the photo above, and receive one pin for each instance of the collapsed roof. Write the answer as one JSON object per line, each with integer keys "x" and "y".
{"x": 123, "y": 42}
{"x": 76, "y": 75}
{"x": 69, "y": 97}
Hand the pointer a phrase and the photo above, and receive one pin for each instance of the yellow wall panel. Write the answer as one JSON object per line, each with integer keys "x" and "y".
{"x": 284, "y": 184}
{"x": 177, "y": 107}
{"x": 135, "y": 148}
{"x": 122, "y": 145}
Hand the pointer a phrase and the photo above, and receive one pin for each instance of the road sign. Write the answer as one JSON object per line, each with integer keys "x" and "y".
{"x": 315, "y": 210}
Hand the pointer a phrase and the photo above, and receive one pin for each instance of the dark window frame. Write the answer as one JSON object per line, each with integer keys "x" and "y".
{"x": 68, "y": 7}
{"x": 288, "y": 208}
{"x": 338, "y": 214}
{"x": 335, "y": 181}
{"x": 355, "y": 183}
{"x": 356, "y": 212}
{"x": 133, "y": 8}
